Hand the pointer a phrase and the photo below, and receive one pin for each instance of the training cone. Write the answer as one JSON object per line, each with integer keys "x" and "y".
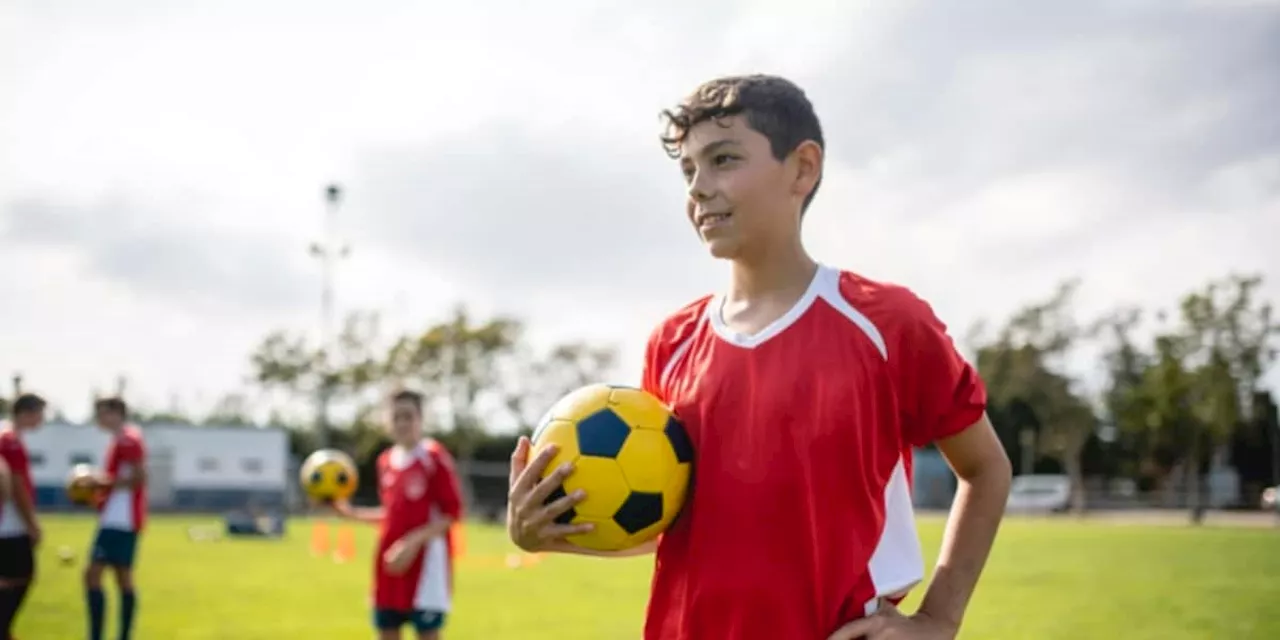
{"x": 457, "y": 540}
{"x": 320, "y": 539}
{"x": 345, "y": 550}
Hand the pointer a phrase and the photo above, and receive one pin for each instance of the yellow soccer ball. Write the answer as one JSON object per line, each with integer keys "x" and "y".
{"x": 82, "y": 489}
{"x": 631, "y": 457}
{"x": 328, "y": 475}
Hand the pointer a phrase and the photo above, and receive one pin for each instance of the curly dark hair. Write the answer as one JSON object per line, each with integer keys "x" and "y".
{"x": 773, "y": 106}
{"x": 28, "y": 403}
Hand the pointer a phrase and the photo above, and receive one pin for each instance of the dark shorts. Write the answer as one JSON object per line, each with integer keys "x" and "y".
{"x": 421, "y": 620}
{"x": 17, "y": 558}
{"x": 114, "y": 548}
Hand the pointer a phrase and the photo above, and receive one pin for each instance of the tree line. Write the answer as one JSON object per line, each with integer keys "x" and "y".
{"x": 1175, "y": 388}
{"x": 1181, "y": 388}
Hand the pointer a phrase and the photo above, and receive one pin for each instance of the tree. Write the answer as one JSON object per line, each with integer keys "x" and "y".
{"x": 1206, "y": 368}
{"x": 538, "y": 382}
{"x": 288, "y": 362}
{"x": 1020, "y": 368}
{"x": 231, "y": 410}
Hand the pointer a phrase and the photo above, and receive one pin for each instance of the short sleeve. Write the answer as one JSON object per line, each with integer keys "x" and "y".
{"x": 651, "y": 372}
{"x": 16, "y": 457}
{"x": 131, "y": 450}
{"x": 940, "y": 394}
{"x": 112, "y": 462}
{"x": 447, "y": 495}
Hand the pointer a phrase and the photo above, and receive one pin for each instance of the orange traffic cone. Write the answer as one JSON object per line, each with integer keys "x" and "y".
{"x": 346, "y": 547}
{"x": 457, "y": 540}
{"x": 320, "y": 538}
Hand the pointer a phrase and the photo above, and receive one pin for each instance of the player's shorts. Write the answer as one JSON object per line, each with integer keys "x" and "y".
{"x": 114, "y": 547}
{"x": 421, "y": 620}
{"x": 17, "y": 558}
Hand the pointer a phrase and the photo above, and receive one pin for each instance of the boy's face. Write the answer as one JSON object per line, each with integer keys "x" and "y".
{"x": 740, "y": 196}
{"x": 108, "y": 419}
{"x": 29, "y": 420}
{"x": 406, "y": 422}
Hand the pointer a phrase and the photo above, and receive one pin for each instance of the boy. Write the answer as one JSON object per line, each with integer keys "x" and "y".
{"x": 418, "y": 488}
{"x": 19, "y": 528}
{"x": 804, "y": 389}
{"x": 122, "y": 513}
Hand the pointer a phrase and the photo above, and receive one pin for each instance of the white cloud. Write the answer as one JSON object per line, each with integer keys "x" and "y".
{"x": 173, "y": 160}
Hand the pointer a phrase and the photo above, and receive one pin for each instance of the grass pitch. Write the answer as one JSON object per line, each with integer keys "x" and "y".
{"x": 1047, "y": 579}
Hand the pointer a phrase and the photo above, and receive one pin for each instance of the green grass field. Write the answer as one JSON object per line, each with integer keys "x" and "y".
{"x": 1047, "y": 579}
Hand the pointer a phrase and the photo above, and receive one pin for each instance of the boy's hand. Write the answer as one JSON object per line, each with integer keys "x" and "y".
{"x": 530, "y": 523}
{"x": 341, "y": 508}
{"x": 889, "y": 624}
{"x": 400, "y": 556}
{"x": 34, "y": 532}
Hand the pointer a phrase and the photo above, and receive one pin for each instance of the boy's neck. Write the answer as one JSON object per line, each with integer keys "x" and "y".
{"x": 409, "y": 444}
{"x": 775, "y": 271}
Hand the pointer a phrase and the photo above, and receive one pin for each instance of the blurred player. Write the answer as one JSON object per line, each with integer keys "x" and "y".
{"x": 418, "y": 488}
{"x": 804, "y": 389}
{"x": 122, "y": 513}
{"x": 19, "y": 527}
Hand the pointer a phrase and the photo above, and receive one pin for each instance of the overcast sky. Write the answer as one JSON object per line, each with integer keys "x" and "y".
{"x": 162, "y": 163}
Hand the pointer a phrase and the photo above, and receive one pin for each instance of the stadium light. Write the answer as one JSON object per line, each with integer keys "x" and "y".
{"x": 328, "y": 250}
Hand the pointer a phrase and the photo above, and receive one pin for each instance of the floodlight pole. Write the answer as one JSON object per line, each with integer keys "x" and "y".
{"x": 329, "y": 251}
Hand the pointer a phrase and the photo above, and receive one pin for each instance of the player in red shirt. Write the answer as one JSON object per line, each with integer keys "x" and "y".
{"x": 122, "y": 511}
{"x": 418, "y": 488}
{"x": 19, "y": 527}
{"x": 804, "y": 389}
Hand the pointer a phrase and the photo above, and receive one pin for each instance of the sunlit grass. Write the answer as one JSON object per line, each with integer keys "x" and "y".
{"x": 1046, "y": 580}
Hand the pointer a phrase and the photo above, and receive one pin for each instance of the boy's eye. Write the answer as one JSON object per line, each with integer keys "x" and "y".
{"x": 721, "y": 158}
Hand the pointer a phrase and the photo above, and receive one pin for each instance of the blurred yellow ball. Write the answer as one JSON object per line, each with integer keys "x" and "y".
{"x": 81, "y": 486}
{"x": 328, "y": 475}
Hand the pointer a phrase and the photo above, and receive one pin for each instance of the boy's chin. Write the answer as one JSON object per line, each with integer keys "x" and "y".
{"x": 723, "y": 249}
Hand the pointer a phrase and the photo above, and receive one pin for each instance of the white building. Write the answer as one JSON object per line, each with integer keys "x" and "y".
{"x": 197, "y": 468}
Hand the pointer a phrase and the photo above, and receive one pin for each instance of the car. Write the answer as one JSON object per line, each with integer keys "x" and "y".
{"x": 1039, "y": 493}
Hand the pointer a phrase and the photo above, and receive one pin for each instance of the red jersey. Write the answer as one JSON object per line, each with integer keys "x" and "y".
{"x": 14, "y": 453}
{"x": 800, "y": 519}
{"x": 125, "y": 509}
{"x": 416, "y": 487}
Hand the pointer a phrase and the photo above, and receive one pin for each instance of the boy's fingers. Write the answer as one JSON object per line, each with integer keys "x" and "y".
{"x": 559, "y": 531}
{"x": 553, "y": 510}
{"x": 532, "y": 472}
{"x": 549, "y": 484}
{"x": 856, "y": 629}
{"x": 519, "y": 459}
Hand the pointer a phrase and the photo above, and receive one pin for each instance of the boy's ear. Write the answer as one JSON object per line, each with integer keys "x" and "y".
{"x": 807, "y": 159}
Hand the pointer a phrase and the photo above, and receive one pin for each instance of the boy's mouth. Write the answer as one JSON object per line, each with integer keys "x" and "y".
{"x": 713, "y": 219}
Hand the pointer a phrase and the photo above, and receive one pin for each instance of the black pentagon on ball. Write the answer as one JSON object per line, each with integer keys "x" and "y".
{"x": 566, "y": 517}
{"x": 602, "y": 434}
{"x": 639, "y": 511}
{"x": 679, "y": 440}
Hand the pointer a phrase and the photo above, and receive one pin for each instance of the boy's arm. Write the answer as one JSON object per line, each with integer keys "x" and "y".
{"x": 136, "y": 477}
{"x": 371, "y": 515}
{"x": 943, "y": 400}
{"x": 131, "y": 456}
{"x": 26, "y": 508}
{"x": 643, "y": 549}
{"x": 18, "y": 473}
{"x": 427, "y": 532}
{"x": 984, "y": 474}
